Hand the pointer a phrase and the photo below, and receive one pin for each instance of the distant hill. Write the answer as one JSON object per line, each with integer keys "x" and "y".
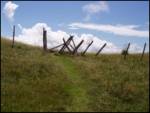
{"x": 33, "y": 80}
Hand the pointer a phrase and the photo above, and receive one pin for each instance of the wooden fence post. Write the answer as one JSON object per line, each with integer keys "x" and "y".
{"x": 76, "y": 48}
{"x": 100, "y": 49}
{"x": 73, "y": 43}
{"x": 65, "y": 44}
{"x": 87, "y": 48}
{"x": 143, "y": 51}
{"x": 44, "y": 39}
{"x": 13, "y": 36}
{"x": 56, "y": 47}
{"x": 71, "y": 46}
{"x": 126, "y": 51}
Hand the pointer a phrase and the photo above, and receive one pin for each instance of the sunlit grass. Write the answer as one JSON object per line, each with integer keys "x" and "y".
{"x": 33, "y": 80}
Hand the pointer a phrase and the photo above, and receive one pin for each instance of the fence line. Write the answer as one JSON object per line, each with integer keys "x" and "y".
{"x": 73, "y": 50}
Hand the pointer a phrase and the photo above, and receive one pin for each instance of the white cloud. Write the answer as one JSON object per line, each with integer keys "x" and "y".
{"x": 9, "y": 10}
{"x": 20, "y": 26}
{"x": 122, "y": 30}
{"x": 34, "y": 36}
{"x": 94, "y": 8}
{"x": 134, "y": 48}
{"x": 97, "y": 44}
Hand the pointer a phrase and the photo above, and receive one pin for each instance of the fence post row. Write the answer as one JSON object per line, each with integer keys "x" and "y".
{"x": 67, "y": 43}
{"x": 143, "y": 51}
{"x": 44, "y": 39}
{"x": 13, "y": 36}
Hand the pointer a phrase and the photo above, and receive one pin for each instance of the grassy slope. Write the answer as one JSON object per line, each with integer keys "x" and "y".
{"x": 32, "y": 80}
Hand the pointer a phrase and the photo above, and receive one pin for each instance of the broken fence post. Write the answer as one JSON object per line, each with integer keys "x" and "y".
{"x": 44, "y": 39}
{"x": 76, "y": 48}
{"x": 126, "y": 51}
{"x": 100, "y": 49}
{"x": 143, "y": 52}
{"x": 71, "y": 46}
{"x": 55, "y": 47}
{"x": 87, "y": 48}
{"x": 13, "y": 36}
{"x": 73, "y": 43}
{"x": 64, "y": 46}
{"x": 67, "y": 45}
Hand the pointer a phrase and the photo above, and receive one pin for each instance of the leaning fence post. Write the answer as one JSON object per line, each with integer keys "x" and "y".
{"x": 87, "y": 48}
{"x": 126, "y": 52}
{"x": 143, "y": 52}
{"x": 65, "y": 44}
{"x": 77, "y": 47}
{"x": 13, "y": 36}
{"x": 100, "y": 49}
{"x": 73, "y": 43}
{"x": 44, "y": 39}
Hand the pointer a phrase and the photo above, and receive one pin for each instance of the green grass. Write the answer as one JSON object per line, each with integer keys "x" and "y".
{"x": 33, "y": 80}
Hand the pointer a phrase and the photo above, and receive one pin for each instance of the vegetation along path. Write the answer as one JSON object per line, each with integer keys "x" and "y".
{"x": 76, "y": 89}
{"x": 34, "y": 80}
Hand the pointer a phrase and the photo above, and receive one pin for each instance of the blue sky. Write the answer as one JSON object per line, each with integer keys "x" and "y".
{"x": 60, "y": 14}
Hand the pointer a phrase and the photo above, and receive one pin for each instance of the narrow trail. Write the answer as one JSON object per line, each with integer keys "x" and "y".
{"x": 76, "y": 89}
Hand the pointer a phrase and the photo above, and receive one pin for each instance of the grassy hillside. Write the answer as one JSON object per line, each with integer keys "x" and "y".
{"x": 32, "y": 80}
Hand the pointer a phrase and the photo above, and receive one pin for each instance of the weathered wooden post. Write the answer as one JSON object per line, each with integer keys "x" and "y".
{"x": 73, "y": 43}
{"x": 87, "y": 48}
{"x": 65, "y": 44}
{"x": 143, "y": 52}
{"x": 76, "y": 48}
{"x": 44, "y": 39}
{"x": 56, "y": 47}
{"x": 71, "y": 46}
{"x": 126, "y": 51}
{"x": 13, "y": 36}
{"x": 100, "y": 49}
